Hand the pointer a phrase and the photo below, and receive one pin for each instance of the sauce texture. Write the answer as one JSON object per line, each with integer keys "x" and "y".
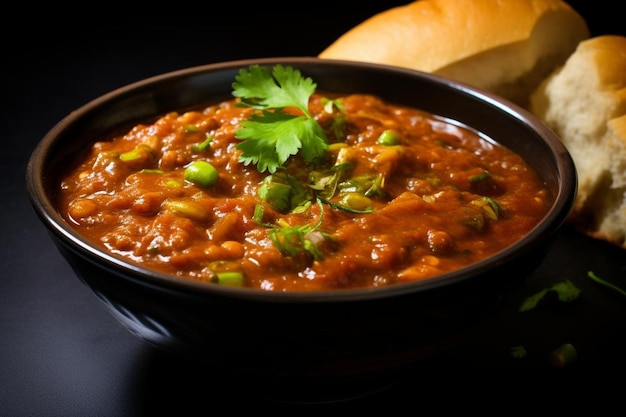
{"x": 400, "y": 195}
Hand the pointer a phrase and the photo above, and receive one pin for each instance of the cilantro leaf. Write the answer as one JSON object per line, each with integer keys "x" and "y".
{"x": 566, "y": 291}
{"x": 284, "y": 87}
{"x": 518, "y": 352}
{"x": 273, "y": 136}
{"x": 293, "y": 240}
{"x": 532, "y": 301}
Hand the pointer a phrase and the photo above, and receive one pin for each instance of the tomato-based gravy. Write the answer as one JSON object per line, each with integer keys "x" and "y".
{"x": 399, "y": 195}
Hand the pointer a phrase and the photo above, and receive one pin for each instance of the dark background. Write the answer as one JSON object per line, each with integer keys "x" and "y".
{"x": 63, "y": 354}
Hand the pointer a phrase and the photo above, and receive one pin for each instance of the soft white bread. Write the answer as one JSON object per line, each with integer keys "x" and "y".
{"x": 584, "y": 102}
{"x": 504, "y": 46}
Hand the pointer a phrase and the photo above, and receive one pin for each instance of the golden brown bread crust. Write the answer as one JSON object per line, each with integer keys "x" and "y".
{"x": 584, "y": 102}
{"x": 504, "y": 46}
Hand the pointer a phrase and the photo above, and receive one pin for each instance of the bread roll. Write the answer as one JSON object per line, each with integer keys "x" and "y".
{"x": 504, "y": 46}
{"x": 584, "y": 102}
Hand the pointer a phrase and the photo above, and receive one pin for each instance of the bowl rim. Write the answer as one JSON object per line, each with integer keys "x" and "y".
{"x": 63, "y": 232}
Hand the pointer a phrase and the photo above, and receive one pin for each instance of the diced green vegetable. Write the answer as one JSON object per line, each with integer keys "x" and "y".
{"x": 388, "y": 138}
{"x": 356, "y": 201}
{"x": 563, "y": 355}
{"x": 484, "y": 176}
{"x": 231, "y": 278}
{"x": 368, "y": 185}
{"x": 202, "y": 146}
{"x": 184, "y": 208}
{"x": 489, "y": 206}
{"x": 283, "y": 192}
{"x": 138, "y": 153}
{"x": 201, "y": 173}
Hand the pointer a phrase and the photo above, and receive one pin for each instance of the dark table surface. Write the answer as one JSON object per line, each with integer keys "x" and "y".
{"x": 63, "y": 354}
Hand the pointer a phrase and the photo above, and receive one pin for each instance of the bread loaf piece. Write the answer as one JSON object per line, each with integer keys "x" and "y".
{"x": 504, "y": 46}
{"x": 584, "y": 102}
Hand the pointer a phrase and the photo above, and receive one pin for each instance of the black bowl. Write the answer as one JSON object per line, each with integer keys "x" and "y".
{"x": 328, "y": 336}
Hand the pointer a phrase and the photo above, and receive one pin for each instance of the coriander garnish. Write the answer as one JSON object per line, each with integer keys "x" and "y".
{"x": 273, "y": 136}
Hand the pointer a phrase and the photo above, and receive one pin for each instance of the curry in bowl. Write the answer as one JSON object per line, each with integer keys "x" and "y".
{"x": 289, "y": 188}
{"x": 336, "y": 235}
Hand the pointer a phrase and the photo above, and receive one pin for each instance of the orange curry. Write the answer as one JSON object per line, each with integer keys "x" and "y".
{"x": 400, "y": 195}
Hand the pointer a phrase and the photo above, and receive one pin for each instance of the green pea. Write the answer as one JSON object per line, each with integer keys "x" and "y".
{"x": 388, "y": 137}
{"x": 201, "y": 173}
